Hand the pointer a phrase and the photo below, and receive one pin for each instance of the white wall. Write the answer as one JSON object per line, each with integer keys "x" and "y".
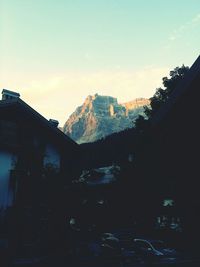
{"x": 52, "y": 156}
{"x": 6, "y": 163}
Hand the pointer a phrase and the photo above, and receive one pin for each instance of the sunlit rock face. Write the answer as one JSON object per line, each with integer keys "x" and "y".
{"x": 100, "y": 116}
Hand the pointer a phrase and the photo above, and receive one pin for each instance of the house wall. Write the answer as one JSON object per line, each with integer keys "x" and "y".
{"x": 7, "y": 161}
{"x": 52, "y": 156}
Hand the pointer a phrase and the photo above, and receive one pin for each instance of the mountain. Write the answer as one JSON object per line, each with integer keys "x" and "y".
{"x": 100, "y": 116}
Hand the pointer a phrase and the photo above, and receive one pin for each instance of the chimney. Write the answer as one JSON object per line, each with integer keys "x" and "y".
{"x": 54, "y": 122}
{"x": 7, "y": 94}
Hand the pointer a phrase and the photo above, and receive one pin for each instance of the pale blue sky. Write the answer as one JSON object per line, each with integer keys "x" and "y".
{"x": 67, "y": 49}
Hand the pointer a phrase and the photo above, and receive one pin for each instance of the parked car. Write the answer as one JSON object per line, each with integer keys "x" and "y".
{"x": 110, "y": 247}
{"x": 157, "y": 248}
{"x": 113, "y": 249}
{"x": 104, "y": 236}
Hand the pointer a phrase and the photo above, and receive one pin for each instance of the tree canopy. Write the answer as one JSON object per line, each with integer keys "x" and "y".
{"x": 162, "y": 94}
{"x": 160, "y": 97}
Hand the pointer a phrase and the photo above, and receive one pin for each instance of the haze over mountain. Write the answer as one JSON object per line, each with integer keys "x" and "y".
{"x": 100, "y": 116}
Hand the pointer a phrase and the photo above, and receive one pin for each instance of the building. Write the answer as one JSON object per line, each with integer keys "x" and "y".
{"x": 96, "y": 194}
{"x": 32, "y": 151}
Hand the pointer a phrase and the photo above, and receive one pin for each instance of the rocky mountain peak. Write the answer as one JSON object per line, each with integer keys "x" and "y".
{"x": 136, "y": 103}
{"x": 100, "y": 116}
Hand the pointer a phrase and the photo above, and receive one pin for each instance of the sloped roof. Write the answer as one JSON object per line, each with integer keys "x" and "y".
{"x": 178, "y": 92}
{"x": 101, "y": 176}
{"x": 17, "y": 102}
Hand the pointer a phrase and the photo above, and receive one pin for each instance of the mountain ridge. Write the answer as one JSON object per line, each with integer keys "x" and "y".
{"x": 100, "y": 116}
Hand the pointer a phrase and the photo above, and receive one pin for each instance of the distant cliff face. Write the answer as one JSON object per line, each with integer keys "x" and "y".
{"x": 100, "y": 116}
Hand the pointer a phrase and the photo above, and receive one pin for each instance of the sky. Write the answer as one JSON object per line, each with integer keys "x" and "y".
{"x": 57, "y": 52}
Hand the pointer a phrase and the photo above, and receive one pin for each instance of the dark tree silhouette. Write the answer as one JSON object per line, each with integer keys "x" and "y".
{"x": 162, "y": 94}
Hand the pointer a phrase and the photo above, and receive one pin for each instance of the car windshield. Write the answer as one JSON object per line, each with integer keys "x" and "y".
{"x": 106, "y": 235}
{"x": 158, "y": 244}
{"x": 143, "y": 244}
